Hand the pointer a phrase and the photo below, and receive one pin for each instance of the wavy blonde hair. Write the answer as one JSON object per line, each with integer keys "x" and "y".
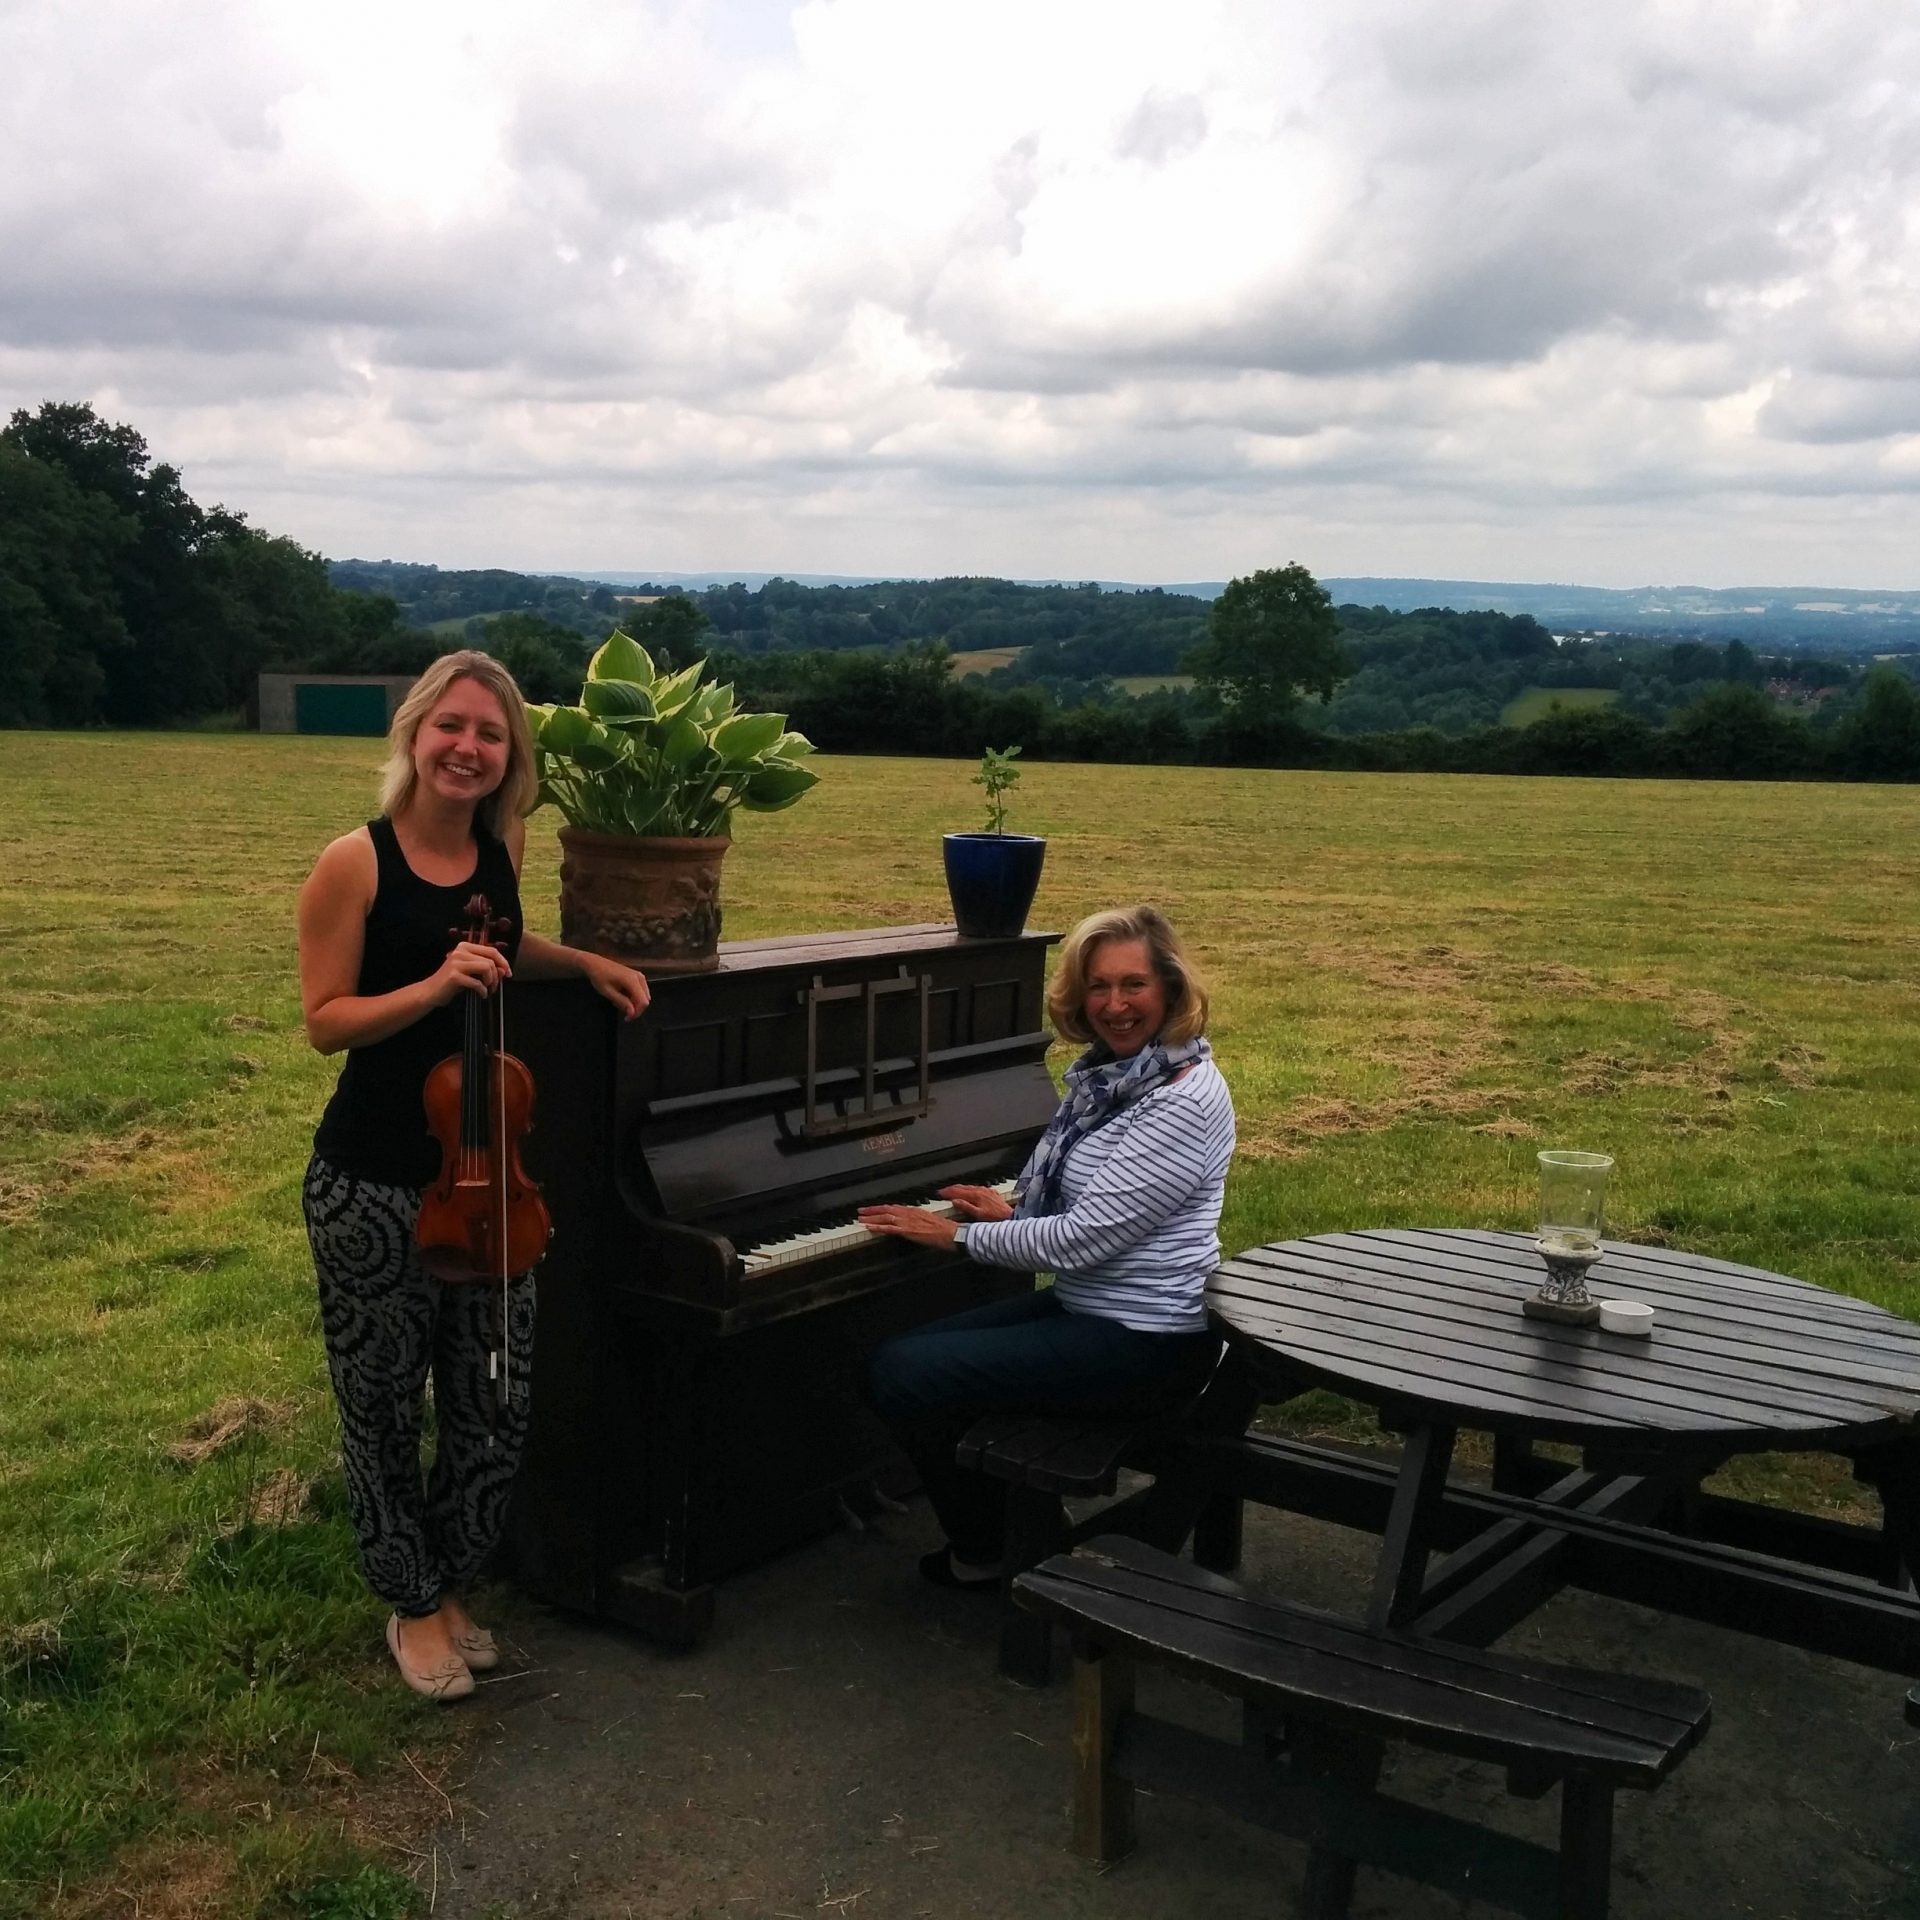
{"x": 1187, "y": 1001}
{"x": 514, "y": 795}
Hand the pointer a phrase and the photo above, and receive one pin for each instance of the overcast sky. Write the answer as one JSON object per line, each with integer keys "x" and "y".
{"x": 1617, "y": 293}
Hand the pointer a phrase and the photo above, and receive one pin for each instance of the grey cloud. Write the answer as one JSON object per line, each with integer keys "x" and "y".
{"x": 644, "y": 147}
{"x": 1604, "y": 189}
{"x": 1162, "y": 127}
{"x": 1831, "y": 411}
{"x": 1551, "y": 241}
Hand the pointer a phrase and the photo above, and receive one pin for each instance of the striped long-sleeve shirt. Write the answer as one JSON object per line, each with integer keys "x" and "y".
{"x": 1137, "y": 1233}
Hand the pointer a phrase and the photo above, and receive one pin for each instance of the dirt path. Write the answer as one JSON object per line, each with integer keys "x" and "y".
{"x": 842, "y": 1747}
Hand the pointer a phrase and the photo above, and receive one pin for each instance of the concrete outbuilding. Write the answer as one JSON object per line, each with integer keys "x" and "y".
{"x": 330, "y": 702}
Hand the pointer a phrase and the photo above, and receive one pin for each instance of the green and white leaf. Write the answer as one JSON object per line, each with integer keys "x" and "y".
{"x": 746, "y": 737}
{"x": 622, "y": 658}
{"x": 777, "y": 786}
{"x": 617, "y": 700}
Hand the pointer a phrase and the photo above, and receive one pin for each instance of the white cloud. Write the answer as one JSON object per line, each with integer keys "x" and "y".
{"x": 1472, "y": 287}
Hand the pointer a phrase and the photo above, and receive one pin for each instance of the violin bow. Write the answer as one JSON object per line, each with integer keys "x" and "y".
{"x": 500, "y": 1360}
{"x": 504, "y": 1389}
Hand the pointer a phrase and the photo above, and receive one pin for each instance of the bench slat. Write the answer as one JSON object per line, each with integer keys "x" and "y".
{"x": 1655, "y": 1711}
{"x": 1053, "y": 1453}
{"x": 1625, "y": 1729}
{"x": 1085, "y": 1460}
{"x": 1012, "y": 1439}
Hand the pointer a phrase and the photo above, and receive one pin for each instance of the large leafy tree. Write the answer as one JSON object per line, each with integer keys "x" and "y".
{"x": 60, "y": 621}
{"x": 1271, "y": 638}
{"x": 122, "y": 599}
{"x": 670, "y": 629}
{"x": 1881, "y": 738}
{"x": 547, "y": 660}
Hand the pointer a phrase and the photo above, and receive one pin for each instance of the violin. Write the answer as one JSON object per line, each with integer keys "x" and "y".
{"x": 483, "y": 1218}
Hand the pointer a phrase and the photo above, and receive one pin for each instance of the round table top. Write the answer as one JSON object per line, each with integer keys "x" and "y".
{"x": 1427, "y": 1321}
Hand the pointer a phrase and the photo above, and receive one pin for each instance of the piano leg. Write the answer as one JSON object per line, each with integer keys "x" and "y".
{"x": 639, "y": 1595}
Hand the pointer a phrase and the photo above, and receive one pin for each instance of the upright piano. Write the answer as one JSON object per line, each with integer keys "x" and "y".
{"x": 708, "y": 1303}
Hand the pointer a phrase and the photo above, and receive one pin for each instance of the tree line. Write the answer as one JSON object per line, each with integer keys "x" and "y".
{"x": 909, "y": 702}
{"x": 124, "y": 602}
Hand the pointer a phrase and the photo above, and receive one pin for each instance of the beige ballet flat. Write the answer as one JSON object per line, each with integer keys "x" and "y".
{"x": 478, "y": 1649}
{"x": 448, "y": 1680}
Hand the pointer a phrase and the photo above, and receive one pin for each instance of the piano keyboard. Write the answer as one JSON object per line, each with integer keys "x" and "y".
{"x": 838, "y": 1237}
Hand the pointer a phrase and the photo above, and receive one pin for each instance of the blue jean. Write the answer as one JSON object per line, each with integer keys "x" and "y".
{"x": 1027, "y": 1354}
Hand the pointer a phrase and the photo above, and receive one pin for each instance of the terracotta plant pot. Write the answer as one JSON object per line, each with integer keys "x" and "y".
{"x": 653, "y": 903}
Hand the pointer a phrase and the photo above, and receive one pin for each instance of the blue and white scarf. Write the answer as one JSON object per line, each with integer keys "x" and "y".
{"x": 1098, "y": 1088}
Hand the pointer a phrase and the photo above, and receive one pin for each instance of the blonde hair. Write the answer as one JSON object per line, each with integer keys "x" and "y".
{"x": 1186, "y": 992}
{"x": 514, "y": 795}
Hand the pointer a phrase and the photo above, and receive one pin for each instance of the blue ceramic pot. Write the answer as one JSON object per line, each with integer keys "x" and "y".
{"x": 992, "y": 878}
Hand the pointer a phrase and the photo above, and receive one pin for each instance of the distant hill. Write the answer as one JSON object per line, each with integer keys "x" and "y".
{"x": 734, "y": 577}
{"x": 1826, "y": 620}
{"x": 1843, "y": 618}
{"x": 1770, "y": 613}
{"x": 1838, "y": 617}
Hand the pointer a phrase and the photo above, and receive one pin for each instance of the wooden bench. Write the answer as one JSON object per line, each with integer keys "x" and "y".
{"x": 1047, "y": 1459}
{"x": 1323, "y": 1696}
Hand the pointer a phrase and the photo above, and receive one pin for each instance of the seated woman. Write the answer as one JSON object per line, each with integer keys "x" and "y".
{"x": 1120, "y": 1200}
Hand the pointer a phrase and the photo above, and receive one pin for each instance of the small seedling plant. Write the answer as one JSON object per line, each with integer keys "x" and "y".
{"x": 998, "y": 776}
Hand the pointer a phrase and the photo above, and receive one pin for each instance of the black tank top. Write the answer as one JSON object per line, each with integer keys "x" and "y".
{"x": 375, "y": 1126}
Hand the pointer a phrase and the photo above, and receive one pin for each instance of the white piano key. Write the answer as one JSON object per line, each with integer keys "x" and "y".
{"x": 822, "y": 1243}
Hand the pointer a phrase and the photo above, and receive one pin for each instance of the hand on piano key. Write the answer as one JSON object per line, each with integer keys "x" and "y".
{"x": 981, "y": 1203}
{"x": 968, "y": 1203}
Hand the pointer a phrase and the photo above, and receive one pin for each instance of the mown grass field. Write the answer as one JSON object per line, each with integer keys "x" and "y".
{"x": 1535, "y": 703}
{"x": 1420, "y": 981}
{"x": 982, "y": 660}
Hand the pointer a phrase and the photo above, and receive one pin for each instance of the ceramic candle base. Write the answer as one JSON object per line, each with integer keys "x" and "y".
{"x": 1563, "y": 1295}
{"x": 1568, "y": 1313}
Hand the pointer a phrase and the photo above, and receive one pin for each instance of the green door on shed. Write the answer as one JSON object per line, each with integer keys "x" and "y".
{"x": 340, "y": 709}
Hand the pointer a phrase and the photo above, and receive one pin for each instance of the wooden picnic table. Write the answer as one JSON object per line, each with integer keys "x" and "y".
{"x": 1425, "y": 1324}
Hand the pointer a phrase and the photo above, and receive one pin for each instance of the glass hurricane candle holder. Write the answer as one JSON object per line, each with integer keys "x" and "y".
{"x": 1573, "y": 1204}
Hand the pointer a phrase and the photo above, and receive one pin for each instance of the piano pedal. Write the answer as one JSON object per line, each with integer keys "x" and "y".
{"x": 883, "y": 1501}
{"x": 849, "y": 1519}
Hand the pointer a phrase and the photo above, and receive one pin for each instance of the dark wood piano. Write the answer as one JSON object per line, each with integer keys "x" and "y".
{"x": 707, "y": 1306}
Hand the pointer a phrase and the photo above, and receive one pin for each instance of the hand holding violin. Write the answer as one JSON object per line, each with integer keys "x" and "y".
{"x": 471, "y": 965}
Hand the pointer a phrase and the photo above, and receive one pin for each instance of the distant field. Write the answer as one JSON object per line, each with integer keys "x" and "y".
{"x": 1537, "y": 702}
{"x": 987, "y": 659}
{"x": 1138, "y": 683}
{"x": 456, "y": 623}
{"x": 1419, "y": 982}
{"x": 983, "y": 660}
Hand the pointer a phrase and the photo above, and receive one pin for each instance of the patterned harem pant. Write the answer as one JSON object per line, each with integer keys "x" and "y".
{"x": 387, "y": 1324}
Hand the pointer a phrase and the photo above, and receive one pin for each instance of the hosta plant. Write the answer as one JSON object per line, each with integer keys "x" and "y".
{"x": 663, "y": 754}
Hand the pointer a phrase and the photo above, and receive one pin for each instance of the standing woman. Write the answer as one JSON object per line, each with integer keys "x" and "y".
{"x": 1120, "y": 1200}
{"x": 379, "y": 979}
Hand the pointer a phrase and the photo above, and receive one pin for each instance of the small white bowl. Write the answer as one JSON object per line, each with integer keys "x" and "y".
{"x": 1626, "y": 1316}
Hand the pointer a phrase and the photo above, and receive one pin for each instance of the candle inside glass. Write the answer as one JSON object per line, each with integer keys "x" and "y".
{"x": 1573, "y": 1204}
